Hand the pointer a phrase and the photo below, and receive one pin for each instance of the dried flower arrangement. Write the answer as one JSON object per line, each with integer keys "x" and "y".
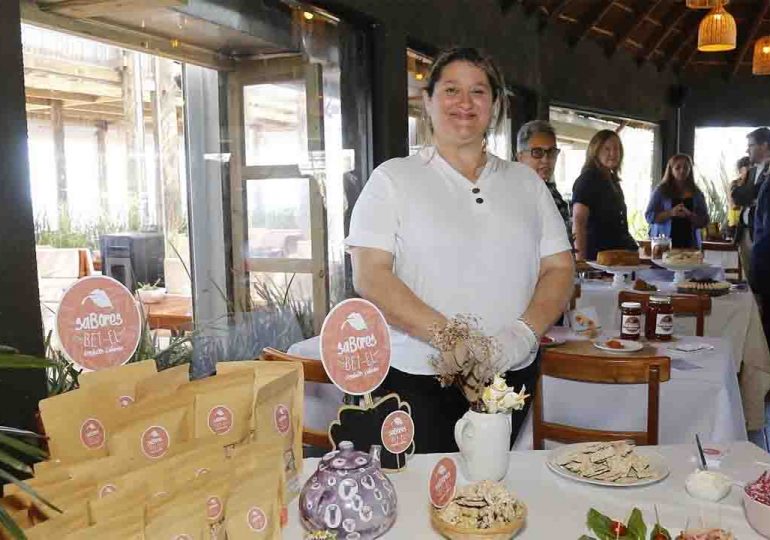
{"x": 470, "y": 360}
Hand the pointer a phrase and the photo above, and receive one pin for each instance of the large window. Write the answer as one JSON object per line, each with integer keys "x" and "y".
{"x": 107, "y": 163}
{"x": 640, "y": 173}
{"x": 717, "y": 149}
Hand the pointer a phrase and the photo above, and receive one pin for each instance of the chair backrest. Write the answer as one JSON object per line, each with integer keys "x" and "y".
{"x": 683, "y": 304}
{"x": 313, "y": 371}
{"x": 606, "y": 370}
{"x": 725, "y": 247}
{"x": 575, "y": 295}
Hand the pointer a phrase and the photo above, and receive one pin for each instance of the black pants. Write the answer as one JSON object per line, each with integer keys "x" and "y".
{"x": 435, "y": 410}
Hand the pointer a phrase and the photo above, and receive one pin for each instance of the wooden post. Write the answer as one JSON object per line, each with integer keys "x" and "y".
{"x": 134, "y": 125}
{"x": 20, "y": 322}
{"x": 101, "y": 157}
{"x": 167, "y": 141}
{"x": 60, "y": 161}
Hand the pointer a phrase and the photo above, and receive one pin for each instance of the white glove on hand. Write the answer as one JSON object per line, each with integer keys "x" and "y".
{"x": 516, "y": 345}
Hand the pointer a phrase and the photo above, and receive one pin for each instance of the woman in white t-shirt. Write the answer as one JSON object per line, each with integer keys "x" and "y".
{"x": 456, "y": 230}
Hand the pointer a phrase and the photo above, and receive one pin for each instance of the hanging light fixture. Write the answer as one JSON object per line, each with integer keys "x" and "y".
{"x": 761, "y": 63}
{"x": 717, "y": 31}
{"x": 705, "y": 4}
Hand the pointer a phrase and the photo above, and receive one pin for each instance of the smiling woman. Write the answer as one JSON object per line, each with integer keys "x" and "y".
{"x": 456, "y": 230}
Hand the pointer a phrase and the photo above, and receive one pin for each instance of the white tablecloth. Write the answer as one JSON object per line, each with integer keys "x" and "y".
{"x": 557, "y": 507}
{"x": 705, "y": 400}
{"x": 734, "y": 316}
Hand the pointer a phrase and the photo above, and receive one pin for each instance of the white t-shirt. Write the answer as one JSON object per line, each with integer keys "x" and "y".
{"x": 458, "y": 255}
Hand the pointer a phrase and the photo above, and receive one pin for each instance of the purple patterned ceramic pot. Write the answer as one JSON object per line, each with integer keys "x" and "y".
{"x": 349, "y": 495}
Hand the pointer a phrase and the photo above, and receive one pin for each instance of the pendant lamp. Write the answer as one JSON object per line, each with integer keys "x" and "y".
{"x": 761, "y": 63}
{"x": 705, "y": 4}
{"x": 717, "y": 31}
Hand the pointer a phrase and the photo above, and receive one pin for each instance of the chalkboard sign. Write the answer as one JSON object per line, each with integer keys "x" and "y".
{"x": 363, "y": 427}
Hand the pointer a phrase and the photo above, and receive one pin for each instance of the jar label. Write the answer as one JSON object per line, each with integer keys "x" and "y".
{"x": 664, "y": 324}
{"x": 631, "y": 325}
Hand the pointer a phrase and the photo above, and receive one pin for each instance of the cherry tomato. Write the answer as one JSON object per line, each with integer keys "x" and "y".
{"x": 618, "y": 528}
{"x": 659, "y": 536}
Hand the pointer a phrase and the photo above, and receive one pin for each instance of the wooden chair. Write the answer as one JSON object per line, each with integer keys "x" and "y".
{"x": 314, "y": 372}
{"x": 605, "y": 370}
{"x": 725, "y": 247}
{"x": 683, "y": 304}
{"x": 575, "y": 295}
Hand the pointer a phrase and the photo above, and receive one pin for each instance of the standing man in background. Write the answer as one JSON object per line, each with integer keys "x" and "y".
{"x": 744, "y": 193}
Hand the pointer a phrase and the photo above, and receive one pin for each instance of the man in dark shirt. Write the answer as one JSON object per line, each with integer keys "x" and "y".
{"x": 536, "y": 148}
{"x": 745, "y": 193}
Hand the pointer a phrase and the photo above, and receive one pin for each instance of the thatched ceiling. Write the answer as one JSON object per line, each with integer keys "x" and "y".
{"x": 664, "y": 32}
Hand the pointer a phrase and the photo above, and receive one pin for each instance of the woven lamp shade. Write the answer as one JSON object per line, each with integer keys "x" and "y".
{"x": 761, "y": 63}
{"x": 705, "y": 4}
{"x": 717, "y": 31}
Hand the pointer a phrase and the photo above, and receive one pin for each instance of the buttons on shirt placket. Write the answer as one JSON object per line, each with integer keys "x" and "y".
{"x": 476, "y": 191}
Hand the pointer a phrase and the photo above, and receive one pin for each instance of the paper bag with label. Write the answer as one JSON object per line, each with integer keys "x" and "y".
{"x": 77, "y": 424}
{"x": 152, "y": 437}
{"x": 119, "y": 383}
{"x": 69, "y": 521}
{"x": 125, "y": 527}
{"x": 253, "y": 508}
{"x": 163, "y": 383}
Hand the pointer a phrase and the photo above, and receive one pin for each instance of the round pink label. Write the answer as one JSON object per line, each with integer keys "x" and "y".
{"x": 355, "y": 346}
{"x": 107, "y": 489}
{"x": 397, "y": 432}
{"x": 125, "y": 401}
{"x": 155, "y": 442}
{"x": 98, "y": 323}
{"x": 443, "y": 480}
{"x": 256, "y": 519}
{"x": 282, "y": 419}
{"x": 92, "y": 434}
{"x": 220, "y": 419}
{"x": 183, "y": 536}
{"x": 214, "y": 507}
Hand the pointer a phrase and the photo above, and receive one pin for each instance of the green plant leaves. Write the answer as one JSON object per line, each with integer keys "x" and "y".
{"x": 7, "y": 523}
{"x": 23, "y": 361}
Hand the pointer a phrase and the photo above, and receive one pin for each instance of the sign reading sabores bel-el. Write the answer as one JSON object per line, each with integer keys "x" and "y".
{"x": 98, "y": 323}
{"x": 355, "y": 346}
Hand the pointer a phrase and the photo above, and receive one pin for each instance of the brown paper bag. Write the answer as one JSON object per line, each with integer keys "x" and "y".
{"x": 152, "y": 436}
{"x": 119, "y": 382}
{"x": 278, "y": 417}
{"x": 163, "y": 383}
{"x": 253, "y": 508}
{"x": 69, "y": 521}
{"x": 125, "y": 527}
{"x": 183, "y": 520}
{"x": 224, "y": 413}
{"x": 77, "y": 424}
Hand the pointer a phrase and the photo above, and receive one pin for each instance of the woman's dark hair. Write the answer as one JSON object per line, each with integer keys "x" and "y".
{"x": 481, "y": 61}
{"x": 668, "y": 185}
{"x": 743, "y": 162}
{"x": 595, "y": 144}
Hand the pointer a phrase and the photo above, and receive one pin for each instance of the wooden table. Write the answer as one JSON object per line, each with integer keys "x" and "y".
{"x": 173, "y": 313}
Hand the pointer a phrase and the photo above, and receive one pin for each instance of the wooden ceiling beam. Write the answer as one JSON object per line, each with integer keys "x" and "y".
{"x": 593, "y": 19}
{"x": 683, "y": 65}
{"x": 635, "y": 26}
{"x": 85, "y": 9}
{"x": 556, "y": 11}
{"x": 761, "y": 12}
{"x": 692, "y": 35}
{"x": 666, "y": 31}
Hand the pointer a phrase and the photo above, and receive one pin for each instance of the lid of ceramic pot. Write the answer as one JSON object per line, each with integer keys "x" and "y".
{"x": 346, "y": 457}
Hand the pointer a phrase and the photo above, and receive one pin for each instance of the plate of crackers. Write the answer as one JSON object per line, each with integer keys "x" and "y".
{"x": 615, "y": 464}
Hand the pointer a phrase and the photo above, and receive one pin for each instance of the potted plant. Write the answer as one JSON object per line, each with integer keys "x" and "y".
{"x": 150, "y": 293}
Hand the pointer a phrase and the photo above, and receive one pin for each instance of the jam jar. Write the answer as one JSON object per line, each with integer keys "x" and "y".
{"x": 630, "y": 320}
{"x": 660, "y": 319}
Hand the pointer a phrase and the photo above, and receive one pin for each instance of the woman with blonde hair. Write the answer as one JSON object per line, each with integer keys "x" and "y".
{"x": 455, "y": 230}
{"x": 599, "y": 214}
{"x": 677, "y": 208}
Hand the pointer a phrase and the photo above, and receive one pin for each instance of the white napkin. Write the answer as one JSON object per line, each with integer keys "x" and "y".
{"x": 683, "y": 365}
{"x": 690, "y": 347}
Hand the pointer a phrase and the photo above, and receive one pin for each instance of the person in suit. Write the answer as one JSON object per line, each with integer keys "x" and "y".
{"x": 760, "y": 255}
{"x": 744, "y": 193}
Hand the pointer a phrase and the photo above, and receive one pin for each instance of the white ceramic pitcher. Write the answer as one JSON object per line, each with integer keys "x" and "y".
{"x": 484, "y": 441}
